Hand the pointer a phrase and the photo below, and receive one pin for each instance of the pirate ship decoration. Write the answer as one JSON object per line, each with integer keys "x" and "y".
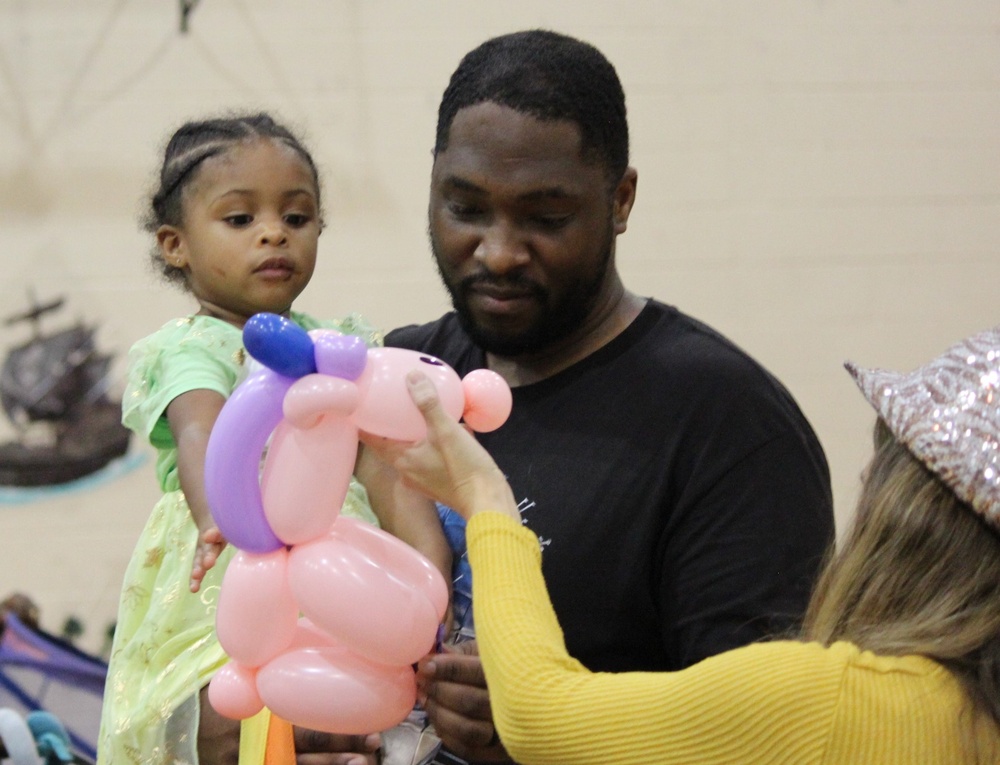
{"x": 54, "y": 391}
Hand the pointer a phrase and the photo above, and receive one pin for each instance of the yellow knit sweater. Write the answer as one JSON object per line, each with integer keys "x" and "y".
{"x": 781, "y": 702}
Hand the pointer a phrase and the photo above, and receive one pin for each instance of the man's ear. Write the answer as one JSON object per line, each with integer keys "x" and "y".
{"x": 173, "y": 248}
{"x": 623, "y": 199}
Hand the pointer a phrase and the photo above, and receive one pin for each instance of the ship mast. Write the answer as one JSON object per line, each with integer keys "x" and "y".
{"x": 34, "y": 314}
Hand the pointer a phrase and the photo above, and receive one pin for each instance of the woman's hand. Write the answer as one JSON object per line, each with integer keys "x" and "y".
{"x": 449, "y": 465}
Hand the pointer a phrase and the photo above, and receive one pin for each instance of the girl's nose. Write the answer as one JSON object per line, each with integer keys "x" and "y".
{"x": 272, "y": 232}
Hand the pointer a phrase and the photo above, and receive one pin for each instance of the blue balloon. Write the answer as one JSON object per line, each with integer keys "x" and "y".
{"x": 279, "y": 344}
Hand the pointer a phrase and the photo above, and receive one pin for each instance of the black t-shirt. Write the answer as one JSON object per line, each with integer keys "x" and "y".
{"x": 681, "y": 498}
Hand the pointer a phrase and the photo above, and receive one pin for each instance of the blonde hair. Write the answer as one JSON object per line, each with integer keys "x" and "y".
{"x": 918, "y": 574}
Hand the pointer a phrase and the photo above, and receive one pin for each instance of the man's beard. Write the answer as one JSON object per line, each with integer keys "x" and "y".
{"x": 555, "y": 322}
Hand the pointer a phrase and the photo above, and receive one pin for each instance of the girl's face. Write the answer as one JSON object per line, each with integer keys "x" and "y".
{"x": 250, "y": 230}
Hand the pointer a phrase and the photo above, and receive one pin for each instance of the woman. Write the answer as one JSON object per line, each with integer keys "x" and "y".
{"x": 899, "y": 660}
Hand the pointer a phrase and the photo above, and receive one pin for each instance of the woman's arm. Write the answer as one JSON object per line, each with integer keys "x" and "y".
{"x": 761, "y": 704}
{"x": 766, "y": 703}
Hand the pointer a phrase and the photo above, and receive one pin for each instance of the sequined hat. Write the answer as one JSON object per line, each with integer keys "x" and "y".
{"x": 947, "y": 413}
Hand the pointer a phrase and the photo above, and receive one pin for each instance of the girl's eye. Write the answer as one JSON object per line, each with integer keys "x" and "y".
{"x": 240, "y": 220}
{"x": 297, "y": 220}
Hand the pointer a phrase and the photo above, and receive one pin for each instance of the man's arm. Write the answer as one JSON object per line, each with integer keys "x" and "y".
{"x": 741, "y": 557}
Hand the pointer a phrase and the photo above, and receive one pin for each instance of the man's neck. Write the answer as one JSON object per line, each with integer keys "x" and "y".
{"x": 603, "y": 327}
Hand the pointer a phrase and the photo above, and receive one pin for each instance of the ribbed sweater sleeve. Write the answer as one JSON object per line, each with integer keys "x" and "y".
{"x": 767, "y": 703}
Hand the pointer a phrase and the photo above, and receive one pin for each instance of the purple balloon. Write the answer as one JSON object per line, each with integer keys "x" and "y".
{"x": 232, "y": 462}
{"x": 343, "y": 356}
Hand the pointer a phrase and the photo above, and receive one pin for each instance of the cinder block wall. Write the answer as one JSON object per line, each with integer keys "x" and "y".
{"x": 819, "y": 180}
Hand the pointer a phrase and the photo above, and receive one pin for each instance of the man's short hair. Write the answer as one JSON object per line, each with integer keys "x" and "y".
{"x": 549, "y": 76}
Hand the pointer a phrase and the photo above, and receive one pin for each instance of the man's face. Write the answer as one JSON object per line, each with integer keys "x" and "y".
{"x": 521, "y": 228}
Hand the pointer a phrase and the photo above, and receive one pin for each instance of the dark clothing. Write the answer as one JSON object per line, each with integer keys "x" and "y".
{"x": 682, "y": 499}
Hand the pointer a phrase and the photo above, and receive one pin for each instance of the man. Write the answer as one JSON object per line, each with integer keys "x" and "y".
{"x": 681, "y": 499}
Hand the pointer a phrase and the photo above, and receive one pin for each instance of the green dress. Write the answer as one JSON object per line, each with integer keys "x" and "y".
{"x": 165, "y": 649}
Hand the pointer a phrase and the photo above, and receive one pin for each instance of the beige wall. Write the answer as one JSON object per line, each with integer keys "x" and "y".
{"x": 819, "y": 179}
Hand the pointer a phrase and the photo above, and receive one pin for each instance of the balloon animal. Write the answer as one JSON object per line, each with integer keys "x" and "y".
{"x": 322, "y": 615}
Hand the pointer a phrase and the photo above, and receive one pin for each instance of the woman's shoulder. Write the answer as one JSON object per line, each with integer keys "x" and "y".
{"x": 797, "y": 662}
{"x": 884, "y": 664}
{"x": 841, "y": 656}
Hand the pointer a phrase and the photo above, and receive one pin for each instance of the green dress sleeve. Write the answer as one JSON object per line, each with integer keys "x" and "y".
{"x": 186, "y": 354}
{"x": 192, "y": 353}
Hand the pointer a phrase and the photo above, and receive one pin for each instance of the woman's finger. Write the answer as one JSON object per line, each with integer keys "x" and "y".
{"x": 425, "y": 396}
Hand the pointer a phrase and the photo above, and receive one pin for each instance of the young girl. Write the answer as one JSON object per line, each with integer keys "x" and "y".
{"x": 900, "y": 656}
{"x": 236, "y": 218}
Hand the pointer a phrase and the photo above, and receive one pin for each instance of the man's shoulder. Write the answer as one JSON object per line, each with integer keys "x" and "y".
{"x": 443, "y": 338}
{"x": 444, "y": 331}
{"x": 416, "y": 336}
{"x": 690, "y": 345}
{"x": 709, "y": 367}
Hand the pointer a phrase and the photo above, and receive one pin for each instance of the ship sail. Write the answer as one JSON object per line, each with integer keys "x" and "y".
{"x": 47, "y": 377}
{"x": 60, "y": 379}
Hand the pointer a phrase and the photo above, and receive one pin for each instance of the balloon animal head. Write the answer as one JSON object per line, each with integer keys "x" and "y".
{"x": 324, "y": 377}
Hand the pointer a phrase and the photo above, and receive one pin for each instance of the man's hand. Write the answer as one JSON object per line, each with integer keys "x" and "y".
{"x": 453, "y": 691}
{"x": 315, "y": 748}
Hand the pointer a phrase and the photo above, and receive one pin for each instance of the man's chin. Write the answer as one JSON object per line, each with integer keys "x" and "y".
{"x": 510, "y": 345}
{"x": 499, "y": 341}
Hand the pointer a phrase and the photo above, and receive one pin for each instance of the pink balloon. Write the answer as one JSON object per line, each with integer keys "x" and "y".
{"x": 387, "y": 409}
{"x": 308, "y": 635}
{"x": 232, "y": 692}
{"x": 401, "y": 560}
{"x": 306, "y": 477}
{"x": 257, "y": 614}
{"x": 369, "y": 591}
{"x": 488, "y": 400}
{"x": 313, "y": 396}
{"x": 333, "y": 689}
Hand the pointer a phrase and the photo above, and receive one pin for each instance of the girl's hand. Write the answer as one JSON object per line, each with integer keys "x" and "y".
{"x": 449, "y": 465}
{"x": 205, "y": 555}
